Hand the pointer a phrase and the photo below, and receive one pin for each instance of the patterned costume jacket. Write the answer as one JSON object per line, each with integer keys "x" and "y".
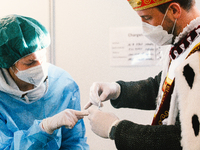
{"x": 186, "y": 95}
{"x": 181, "y": 128}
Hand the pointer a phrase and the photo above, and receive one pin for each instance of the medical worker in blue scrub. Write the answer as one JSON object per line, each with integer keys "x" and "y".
{"x": 39, "y": 102}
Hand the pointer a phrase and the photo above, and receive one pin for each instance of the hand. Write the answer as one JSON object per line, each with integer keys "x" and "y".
{"x": 67, "y": 118}
{"x": 100, "y": 92}
{"x": 101, "y": 122}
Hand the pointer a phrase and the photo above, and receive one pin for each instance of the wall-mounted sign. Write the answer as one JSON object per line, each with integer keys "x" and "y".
{"x": 128, "y": 47}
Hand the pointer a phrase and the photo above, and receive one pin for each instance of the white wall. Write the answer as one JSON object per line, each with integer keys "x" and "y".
{"x": 33, "y": 8}
{"x": 82, "y": 49}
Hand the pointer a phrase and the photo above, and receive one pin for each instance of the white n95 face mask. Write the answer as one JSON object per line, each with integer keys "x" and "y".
{"x": 34, "y": 75}
{"x": 157, "y": 34}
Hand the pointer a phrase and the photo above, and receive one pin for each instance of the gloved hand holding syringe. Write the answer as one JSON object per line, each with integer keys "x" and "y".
{"x": 102, "y": 91}
{"x": 101, "y": 122}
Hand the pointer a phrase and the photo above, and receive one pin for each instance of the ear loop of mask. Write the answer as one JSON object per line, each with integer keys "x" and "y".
{"x": 164, "y": 16}
{"x": 16, "y": 68}
{"x": 174, "y": 26}
{"x": 164, "y": 19}
{"x": 12, "y": 68}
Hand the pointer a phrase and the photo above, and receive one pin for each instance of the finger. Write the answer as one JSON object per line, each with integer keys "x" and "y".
{"x": 71, "y": 117}
{"x": 104, "y": 95}
{"x": 73, "y": 120}
{"x": 69, "y": 123}
{"x": 94, "y": 93}
{"x": 80, "y": 117}
{"x": 87, "y": 105}
{"x": 95, "y": 100}
{"x": 81, "y": 113}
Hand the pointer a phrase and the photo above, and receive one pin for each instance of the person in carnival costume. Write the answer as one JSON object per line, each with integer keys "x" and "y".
{"x": 173, "y": 93}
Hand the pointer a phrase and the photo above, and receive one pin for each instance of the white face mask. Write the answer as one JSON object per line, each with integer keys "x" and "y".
{"x": 156, "y": 33}
{"x": 34, "y": 75}
{"x": 37, "y": 93}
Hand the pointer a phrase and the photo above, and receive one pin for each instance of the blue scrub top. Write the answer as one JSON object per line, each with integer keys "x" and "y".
{"x": 19, "y": 121}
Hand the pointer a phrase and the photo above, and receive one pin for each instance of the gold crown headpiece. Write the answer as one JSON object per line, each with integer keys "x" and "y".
{"x": 145, "y": 4}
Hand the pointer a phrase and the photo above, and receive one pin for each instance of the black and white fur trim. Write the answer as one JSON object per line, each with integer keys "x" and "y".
{"x": 187, "y": 81}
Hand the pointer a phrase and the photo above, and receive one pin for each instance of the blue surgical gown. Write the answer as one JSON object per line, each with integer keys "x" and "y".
{"x": 19, "y": 121}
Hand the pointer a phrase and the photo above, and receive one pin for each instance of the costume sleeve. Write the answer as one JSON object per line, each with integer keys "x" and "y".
{"x": 141, "y": 94}
{"x": 31, "y": 139}
{"x": 129, "y": 135}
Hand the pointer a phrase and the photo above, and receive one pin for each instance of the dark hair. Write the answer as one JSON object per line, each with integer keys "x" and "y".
{"x": 185, "y": 4}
